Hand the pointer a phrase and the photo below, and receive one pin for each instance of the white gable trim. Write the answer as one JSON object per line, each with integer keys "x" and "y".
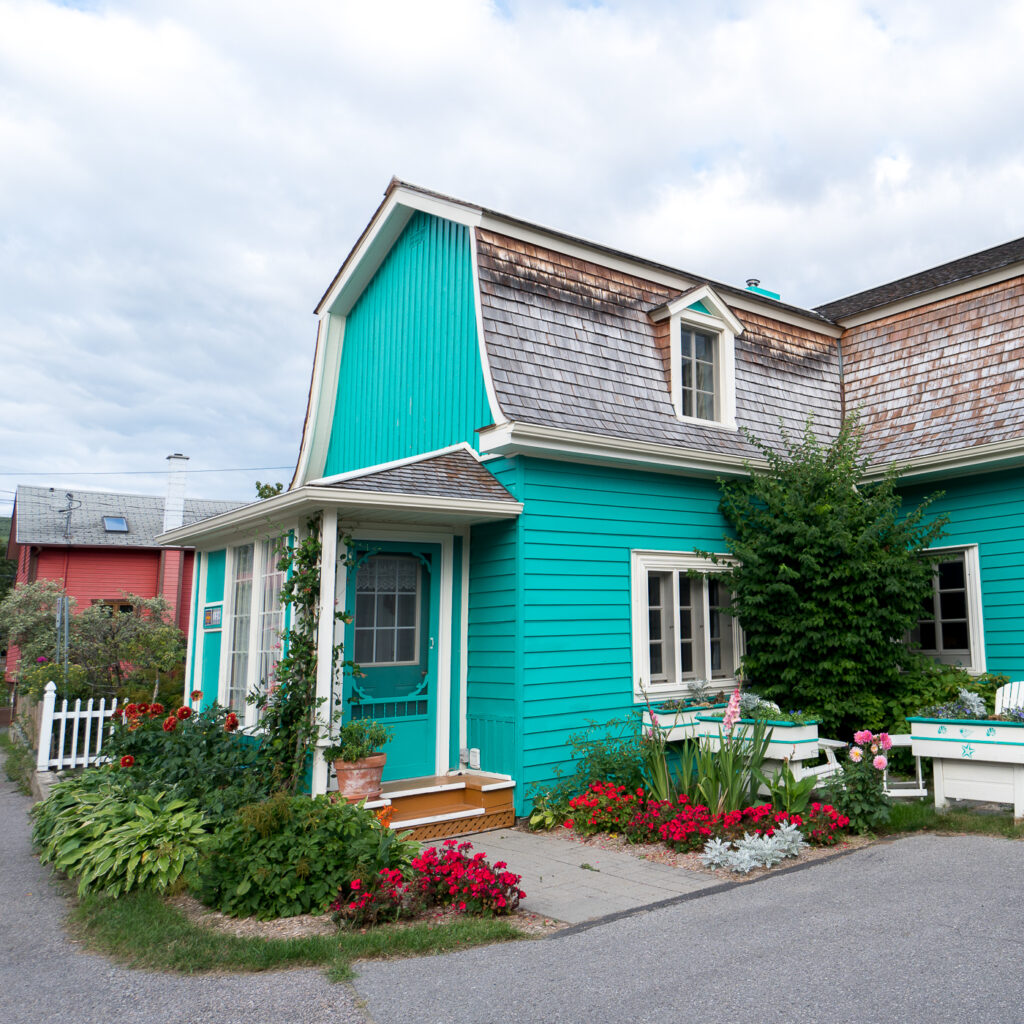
{"x": 323, "y": 392}
{"x": 497, "y": 416}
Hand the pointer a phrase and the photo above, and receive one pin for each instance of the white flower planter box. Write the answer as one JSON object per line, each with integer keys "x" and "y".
{"x": 679, "y": 725}
{"x": 973, "y": 759}
{"x": 788, "y": 741}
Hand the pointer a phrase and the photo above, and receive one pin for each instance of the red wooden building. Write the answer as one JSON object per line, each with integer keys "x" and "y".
{"x": 101, "y": 545}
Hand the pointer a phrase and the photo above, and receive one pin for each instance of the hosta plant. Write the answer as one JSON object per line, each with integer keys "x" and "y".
{"x": 113, "y": 842}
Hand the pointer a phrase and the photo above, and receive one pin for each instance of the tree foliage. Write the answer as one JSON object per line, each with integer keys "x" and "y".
{"x": 828, "y": 579}
{"x": 28, "y": 616}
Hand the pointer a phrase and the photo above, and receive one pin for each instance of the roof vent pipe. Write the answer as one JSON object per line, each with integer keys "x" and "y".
{"x": 174, "y": 506}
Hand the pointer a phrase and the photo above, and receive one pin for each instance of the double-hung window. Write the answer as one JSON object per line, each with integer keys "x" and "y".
{"x": 682, "y": 629}
{"x": 702, "y": 357}
{"x": 950, "y": 629}
{"x": 254, "y": 626}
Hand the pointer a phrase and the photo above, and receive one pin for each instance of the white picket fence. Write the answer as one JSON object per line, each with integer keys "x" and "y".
{"x": 71, "y": 737}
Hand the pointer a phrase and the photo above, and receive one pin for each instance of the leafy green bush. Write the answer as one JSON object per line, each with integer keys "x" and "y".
{"x": 828, "y": 577}
{"x": 193, "y": 755}
{"x": 611, "y": 751}
{"x": 114, "y": 841}
{"x": 290, "y": 855}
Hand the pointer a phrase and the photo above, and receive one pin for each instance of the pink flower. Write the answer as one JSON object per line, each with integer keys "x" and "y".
{"x": 886, "y": 740}
{"x": 856, "y": 755}
{"x": 732, "y": 712}
{"x": 880, "y": 762}
{"x": 863, "y": 737}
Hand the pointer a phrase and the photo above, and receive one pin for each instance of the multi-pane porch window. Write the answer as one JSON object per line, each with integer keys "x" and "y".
{"x": 690, "y": 633}
{"x": 387, "y": 592}
{"x": 271, "y": 612}
{"x": 698, "y": 360}
{"x": 238, "y": 630}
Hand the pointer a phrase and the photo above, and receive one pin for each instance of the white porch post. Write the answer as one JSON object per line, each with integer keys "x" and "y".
{"x": 325, "y": 636}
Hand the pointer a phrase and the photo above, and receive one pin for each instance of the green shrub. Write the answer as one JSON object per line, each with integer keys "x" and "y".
{"x": 114, "y": 841}
{"x": 194, "y": 756}
{"x": 290, "y": 855}
{"x": 611, "y": 751}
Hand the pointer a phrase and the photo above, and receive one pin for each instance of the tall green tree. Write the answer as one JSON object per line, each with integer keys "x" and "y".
{"x": 828, "y": 579}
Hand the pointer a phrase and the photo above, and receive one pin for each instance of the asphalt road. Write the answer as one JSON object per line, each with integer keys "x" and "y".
{"x": 926, "y": 929}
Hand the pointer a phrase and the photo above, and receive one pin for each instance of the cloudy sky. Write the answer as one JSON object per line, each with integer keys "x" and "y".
{"x": 180, "y": 181}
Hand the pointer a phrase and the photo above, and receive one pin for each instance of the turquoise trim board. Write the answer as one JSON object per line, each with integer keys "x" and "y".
{"x": 988, "y": 510}
{"x": 411, "y": 379}
{"x": 216, "y": 562}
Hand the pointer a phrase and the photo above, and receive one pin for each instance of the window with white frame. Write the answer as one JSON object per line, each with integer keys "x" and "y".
{"x": 387, "y": 615}
{"x": 254, "y": 624}
{"x": 702, "y": 363}
{"x": 950, "y": 629}
{"x": 682, "y": 629}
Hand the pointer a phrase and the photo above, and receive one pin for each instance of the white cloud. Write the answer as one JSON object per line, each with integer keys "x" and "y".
{"x": 180, "y": 182}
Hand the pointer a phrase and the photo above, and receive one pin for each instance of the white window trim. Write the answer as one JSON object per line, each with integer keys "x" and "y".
{"x": 642, "y": 564}
{"x": 723, "y": 326}
{"x": 972, "y": 586}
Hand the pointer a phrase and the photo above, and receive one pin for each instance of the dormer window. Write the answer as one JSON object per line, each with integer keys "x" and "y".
{"x": 702, "y": 362}
{"x": 698, "y": 356}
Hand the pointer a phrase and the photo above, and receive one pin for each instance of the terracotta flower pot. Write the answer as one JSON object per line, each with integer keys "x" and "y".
{"x": 360, "y": 780}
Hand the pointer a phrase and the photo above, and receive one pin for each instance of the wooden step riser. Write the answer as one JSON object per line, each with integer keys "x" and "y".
{"x": 422, "y": 804}
{"x": 441, "y": 830}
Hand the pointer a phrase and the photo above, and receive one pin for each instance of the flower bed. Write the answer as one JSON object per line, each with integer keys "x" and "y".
{"x": 682, "y": 825}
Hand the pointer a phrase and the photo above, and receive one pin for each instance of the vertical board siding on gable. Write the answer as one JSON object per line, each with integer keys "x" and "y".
{"x": 493, "y": 638}
{"x": 410, "y": 379}
{"x": 988, "y": 510}
{"x": 578, "y": 528}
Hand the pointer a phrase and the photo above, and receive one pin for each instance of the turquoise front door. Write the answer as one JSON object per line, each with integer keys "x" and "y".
{"x": 394, "y": 594}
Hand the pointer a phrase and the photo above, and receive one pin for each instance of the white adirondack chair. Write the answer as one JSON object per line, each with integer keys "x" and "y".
{"x": 1010, "y": 696}
{"x": 905, "y": 790}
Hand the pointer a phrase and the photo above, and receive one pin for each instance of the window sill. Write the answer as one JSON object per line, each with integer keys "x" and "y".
{"x": 732, "y": 428}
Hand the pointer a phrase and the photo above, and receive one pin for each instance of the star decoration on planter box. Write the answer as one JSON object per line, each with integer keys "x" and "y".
{"x": 966, "y": 750}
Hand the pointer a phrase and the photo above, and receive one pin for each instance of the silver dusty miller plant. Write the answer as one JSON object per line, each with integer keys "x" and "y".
{"x": 753, "y": 851}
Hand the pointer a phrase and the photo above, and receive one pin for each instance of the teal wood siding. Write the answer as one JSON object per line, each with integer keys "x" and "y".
{"x": 411, "y": 379}
{"x": 215, "y": 562}
{"x": 578, "y": 529}
{"x": 988, "y": 510}
{"x": 494, "y": 638}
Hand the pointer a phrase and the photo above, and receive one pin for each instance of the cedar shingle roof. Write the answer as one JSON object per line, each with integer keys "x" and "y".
{"x": 571, "y": 345}
{"x": 450, "y": 475}
{"x": 38, "y": 518}
{"x": 996, "y": 258}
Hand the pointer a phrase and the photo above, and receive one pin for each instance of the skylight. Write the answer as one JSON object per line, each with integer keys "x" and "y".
{"x": 115, "y": 524}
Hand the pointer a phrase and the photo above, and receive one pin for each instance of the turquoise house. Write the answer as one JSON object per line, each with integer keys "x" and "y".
{"x": 519, "y": 432}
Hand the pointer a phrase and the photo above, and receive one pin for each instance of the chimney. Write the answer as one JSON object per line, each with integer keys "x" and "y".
{"x": 174, "y": 506}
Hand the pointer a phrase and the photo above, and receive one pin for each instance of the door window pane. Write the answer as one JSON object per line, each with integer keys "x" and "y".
{"x": 387, "y": 610}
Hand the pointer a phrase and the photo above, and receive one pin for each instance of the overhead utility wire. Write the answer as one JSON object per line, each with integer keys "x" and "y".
{"x": 139, "y": 472}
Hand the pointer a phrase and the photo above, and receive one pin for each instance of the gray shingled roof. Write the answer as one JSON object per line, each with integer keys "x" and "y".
{"x": 983, "y": 262}
{"x": 39, "y": 519}
{"x": 451, "y": 475}
{"x": 571, "y": 345}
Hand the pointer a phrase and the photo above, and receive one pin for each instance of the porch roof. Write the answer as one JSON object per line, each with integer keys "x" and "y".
{"x": 448, "y": 488}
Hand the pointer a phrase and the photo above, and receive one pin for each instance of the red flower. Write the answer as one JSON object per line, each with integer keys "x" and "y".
{"x": 231, "y": 721}
{"x": 130, "y": 710}
{"x": 183, "y": 713}
{"x": 142, "y": 709}
{"x": 154, "y": 709}
{"x": 170, "y": 723}
{"x": 127, "y": 761}
{"x": 196, "y": 695}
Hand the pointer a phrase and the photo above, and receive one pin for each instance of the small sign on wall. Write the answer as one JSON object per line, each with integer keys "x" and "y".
{"x": 212, "y": 616}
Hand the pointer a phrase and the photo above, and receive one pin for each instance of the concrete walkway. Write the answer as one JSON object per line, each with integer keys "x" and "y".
{"x": 575, "y": 883}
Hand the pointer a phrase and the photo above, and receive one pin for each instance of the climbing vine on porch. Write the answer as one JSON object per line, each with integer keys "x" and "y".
{"x": 289, "y": 709}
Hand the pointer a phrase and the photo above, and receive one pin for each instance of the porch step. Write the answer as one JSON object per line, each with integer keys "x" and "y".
{"x": 444, "y": 806}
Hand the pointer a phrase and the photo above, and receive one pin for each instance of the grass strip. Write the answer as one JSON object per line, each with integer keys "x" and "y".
{"x": 140, "y": 930}
{"x": 18, "y": 762}
{"x": 921, "y": 816}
